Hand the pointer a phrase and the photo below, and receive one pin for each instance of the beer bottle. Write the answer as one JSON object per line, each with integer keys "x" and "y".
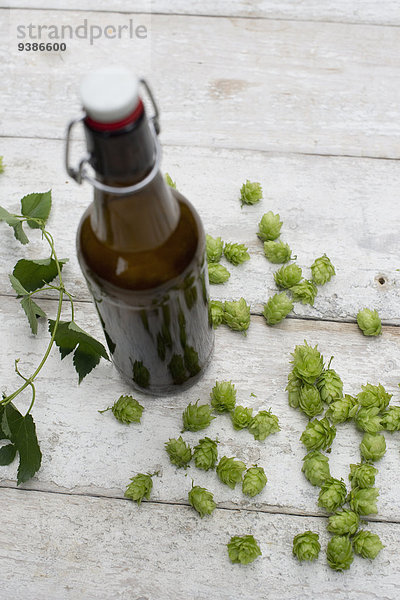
{"x": 140, "y": 244}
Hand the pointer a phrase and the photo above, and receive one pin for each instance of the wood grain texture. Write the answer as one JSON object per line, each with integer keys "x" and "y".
{"x": 328, "y": 205}
{"x": 113, "y": 549}
{"x": 88, "y": 453}
{"x": 270, "y": 85}
{"x": 357, "y": 11}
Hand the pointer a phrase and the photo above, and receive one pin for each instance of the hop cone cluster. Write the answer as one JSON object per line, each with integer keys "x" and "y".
{"x": 277, "y": 252}
{"x": 263, "y": 424}
{"x": 341, "y": 410}
{"x": 179, "y": 452}
{"x": 202, "y": 500}
{"x": 216, "y": 313}
{"x": 304, "y": 292}
{"x": 310, "y": 400}
{"x": 332, "y": 495}
{"x": 269, "y": 227}
{"x": 254, "y": 481}
{"x": 369, "y": 322}
{"x": 127, "y": 410}
{"x": 330, "y": 386}
{"x": 367, "y": 544}
{"x": 306, "y": 546}
{"x": 277, "y": 308}
{"x": 322, "y": 270}
{"x": 139, "y": 488}
{"x": 316, "y": 467}
{"x": 236, "y": 253}
{"x": 243, "y": 549}
{"x": 217, "y": 273}
{"x": 373, "y": 446}
{"x": 230, "y": 471}
{"x": 250, "y": 192}
{"x": 196, "y": 417}
{"x": 288, "y": 276}
{"x": 318, "y": 434}
{"x": 307, "y": 363}
{"x": 237, "y": 314}
{"x": 339, "y": 553}
{"x": 344, "y": 522}
{"x": 363, "y": 501}
{"x": 223, "y": 396}
{"x": 214, "y": 248}
{"x": 362, "y": 475}
{"x": 241, "y": 417}
{"x": 205, "y": 454}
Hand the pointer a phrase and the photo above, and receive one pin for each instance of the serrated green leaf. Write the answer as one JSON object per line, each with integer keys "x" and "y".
{"x": 38, "y": 206}
{"x": 17, "y": 285}
{"x": 34, "y": 274}
{"x": 23, "y": 435}
{"x": 15, "y": 223}
{"x": 6, "y": 216}
{"x": 7, "y": 454}
{"x": 88, "y": 351}
{"x": 33, "y": 312}
{"x": 3, "y": 435}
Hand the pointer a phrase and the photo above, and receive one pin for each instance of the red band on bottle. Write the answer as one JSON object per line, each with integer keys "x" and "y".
{"x": 134, "y": 116}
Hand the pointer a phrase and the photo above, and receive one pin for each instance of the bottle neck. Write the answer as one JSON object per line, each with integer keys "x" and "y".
{"x": 121, "y": 157}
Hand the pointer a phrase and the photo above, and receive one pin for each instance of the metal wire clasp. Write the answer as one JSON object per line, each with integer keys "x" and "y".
{"x": 80, "y": 173}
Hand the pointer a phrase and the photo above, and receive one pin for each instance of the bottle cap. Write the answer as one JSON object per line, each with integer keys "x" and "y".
{"x": 110, "y": 94}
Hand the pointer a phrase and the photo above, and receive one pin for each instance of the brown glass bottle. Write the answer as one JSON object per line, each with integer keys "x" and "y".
{"x": 143, "y": 257}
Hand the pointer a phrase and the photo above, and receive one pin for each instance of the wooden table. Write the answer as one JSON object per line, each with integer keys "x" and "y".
{"x": 303, "y": 97}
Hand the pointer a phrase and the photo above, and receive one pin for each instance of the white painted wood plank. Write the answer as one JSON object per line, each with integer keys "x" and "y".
{"x": 357, "y": 11}
{"x": 89, "y": 453}
{"x": 342, "y": 206}
{"x": 238, "y": 83}
{"x": 68, "y": 548}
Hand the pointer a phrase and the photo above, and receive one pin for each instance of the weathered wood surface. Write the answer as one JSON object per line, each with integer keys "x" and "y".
{"x": 94, "y": 548}
{"x": 327, "y": 204}
{"x": 89, "y": 453}
{"x": 308, "y": 87}
{"x": 342, "y": 11}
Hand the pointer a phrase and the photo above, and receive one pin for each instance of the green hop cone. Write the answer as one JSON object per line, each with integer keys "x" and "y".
{"x": 237, "y": 315}
{"x": 263, "y": 424}
{"x": 310, "y": 400}
{"x": 236, "y": 253}
{"x": 307, "y": 362}
{"x": 306, "y": 546}
{"x": 373, "y": 395}
{"x": 140, "y": 487}
{"x": 241, "y": 417}
{"x": 179, "y": 452}
{"x": 293, "y": 388}
{"x": 217, "y": 273}
{"x": 341, "y": 410}
{"x": 269, "y": 227}
{"x": 316, "y": 468}
{"x": 205, "y": 454}
{"x": 216, "y": 309}
{"x": 318, "y": 434}
{"x": 243, "y": 549}
{"x": 230, "y": 470}
{"x": 369, "y": 419}
{"x": 169, "y": 181}
{"x": 288, "y": 276}
{"x": 223, "y": 396}
{"x": 202, "y": 500}
{"x": 391, "y": 419}
{"x": 373, "y": 446}
{"x": 254, "y": 481}
{"x": 367, "y": 544}
{"x": 277, "y": 308}
{"x": 369, "y": 322}
{"x": 339, "y": 553}
{"x": 196, "y": 417}
{"x": 250, "y": 192}
{"x": 343, "y": 523}
{"x": 304, "y": 292}
{"x": 330, "y": 386}
{"x": 332, "y": 495}
{"x": 214, "y": 248}
{"x": 363, "y": 501}
{"x": 277, "y": 252}
{"x": 362, "y": 475}
{"x": 322, "y": 270}
{"x": 127, "y": 410}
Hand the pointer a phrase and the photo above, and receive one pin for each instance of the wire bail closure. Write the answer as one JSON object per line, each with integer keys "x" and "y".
{"x": 79, "y": 174}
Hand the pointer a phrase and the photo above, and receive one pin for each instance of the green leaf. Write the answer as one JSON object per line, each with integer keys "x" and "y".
{"x": 37, "y": 206}
{"x": 15, "y": 223}
{"x": 17, "y": 285}
{"x": 3, "y": 435}
{"x": 33, "y": 312}
{"x": 34, "y": 274}
{"x": 23, "y": 435}
{"x": 88, "y": 351}
{"x": 7, "y": 454}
